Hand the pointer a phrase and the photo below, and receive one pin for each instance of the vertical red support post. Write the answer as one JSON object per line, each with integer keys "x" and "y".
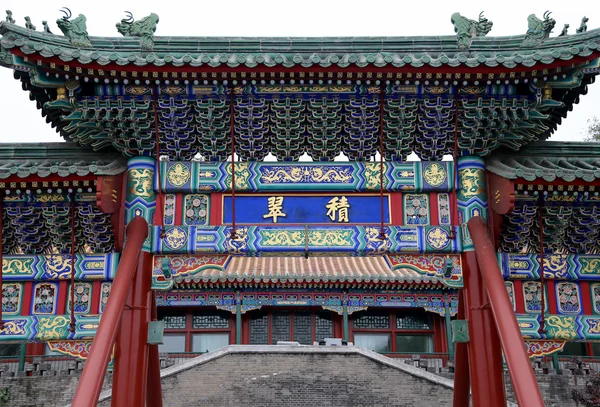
{"x": 130, "y": 376}
{"x": 90, "y": 383}
{"x": 154, "y": 388}
{"x": 485, "y": 352}
{"x": 462, "y": 381}
{"x": 523, "y": 379}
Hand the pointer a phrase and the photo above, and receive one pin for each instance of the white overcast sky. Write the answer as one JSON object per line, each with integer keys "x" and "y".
{"x": 22, "y": 122}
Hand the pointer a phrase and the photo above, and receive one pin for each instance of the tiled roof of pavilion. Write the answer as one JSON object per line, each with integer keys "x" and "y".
{"x": 433, "y": 51}
{"x": 290, "y": 96}
{"x": 63, "y": 159}
{"x": 548, "y": 161}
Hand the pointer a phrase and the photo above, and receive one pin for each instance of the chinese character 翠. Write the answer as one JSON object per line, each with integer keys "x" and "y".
{"x": 275, "y": 208}
{"x": 338, "y": 206}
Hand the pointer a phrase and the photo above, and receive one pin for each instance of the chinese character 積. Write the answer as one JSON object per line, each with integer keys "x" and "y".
{"x": 275, "y": 208}
{"x": 338, "y": 207}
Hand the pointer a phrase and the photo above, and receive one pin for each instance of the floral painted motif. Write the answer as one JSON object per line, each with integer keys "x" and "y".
{"x": 416, "y": 209}
{"x": 83, "y": 298}
{"x": 11, "y": 298}
{"x": 532, "y": 291}
{"x": 596, "y": 297}
{"x": 44, "y": 301}
{"x": 568, "y": 298}
{"x": 196, "y": 210}
{"x": 444, "y": 209}
{"x": 169, "y": 216}
{"x": 104, "y": 292}
{"x": 510, "y": 289}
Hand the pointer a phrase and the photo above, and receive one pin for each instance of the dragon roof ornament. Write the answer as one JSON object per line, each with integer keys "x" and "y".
{"x": 538, "y": 30}
{"x": 143, "y": 28}
{"x": 75, "y": 30}
{"x": 467, "y": 29}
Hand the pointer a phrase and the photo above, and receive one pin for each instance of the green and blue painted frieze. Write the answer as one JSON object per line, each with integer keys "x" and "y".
{"x": 556, "y": 266}
{"x": 348, "y": 240}
{"x": 55, "y": 267}
{"x": 197, "y": 176}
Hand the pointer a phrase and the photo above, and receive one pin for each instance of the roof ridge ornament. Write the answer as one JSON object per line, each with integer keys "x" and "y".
{"x": 9, "y": 17}
{"x": 143, "y": 28}
{"x": 28, "y": 24}
{"x": 538, "y": 30}
{"x": 583, "y": 26}
{"x": 75, "y": 30}
{"x": 564, "y": 31}
{"x": 467, "y": 29}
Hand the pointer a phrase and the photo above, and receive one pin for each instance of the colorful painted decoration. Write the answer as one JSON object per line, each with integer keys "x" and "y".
{"x": 77, "y": 349}
{"x": 11, "y": 298}
{"x": 169, "y": 212}
{"x": 444, "y": 217}
{"x": 44, "y": 298}
{"x": 83, "y": 298}
{"x": 195, "y": 176}
{"x": 510, "y": 289}
{"x": 537, "y": 349}
{"x": 49, "y": 327}
{"x": 104, "y": 293}
{"x": 596, "y": 297}
{"x": 342, "y": 240}
{"x": 471, "y": 194}
{"x": 569, "y": 301}
{"x": 56, "y": 267}
{"x": 561, "y": 327}
{"x": 556, "y": 266}
{"x": 416, "y": 209}
{"x": 196, "y": 210}
{"x": 532, "y": 292}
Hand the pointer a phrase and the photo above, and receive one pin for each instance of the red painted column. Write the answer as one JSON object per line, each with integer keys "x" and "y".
{"x": 485, "y": 353}
{"x": 522, "y": 376}
{"x": 90, "y": 383}
{"x": 154, "y": 390}
{"x": 462, "y": 381}
{"x": 131, "y": 347}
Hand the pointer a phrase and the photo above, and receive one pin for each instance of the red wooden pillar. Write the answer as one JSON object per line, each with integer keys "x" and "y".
{"x": 462, "y": 381}
{"x": 484, "y": 349}
{"x": 131, "y": 348}
{"x": 154, "y": 389}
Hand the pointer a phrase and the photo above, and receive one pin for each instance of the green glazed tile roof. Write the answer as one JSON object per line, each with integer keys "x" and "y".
{"x": 549, "y": 161}
{"x": 434, "y": 51}
{"x": 63, "y": 159}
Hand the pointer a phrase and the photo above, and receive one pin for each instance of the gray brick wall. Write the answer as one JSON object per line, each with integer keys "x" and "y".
{"x": 44, "y": 391}
{"x": 279, "y": 379}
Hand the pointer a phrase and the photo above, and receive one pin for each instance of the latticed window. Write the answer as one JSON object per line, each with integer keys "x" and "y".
{"x": 259, "y": 329}
{"x": 210, "y": 320}
{"x": 323, "y": 326}
{"x": 174, "y": 321}
{"x": 372, "y": 321}
{"x": 413, "y": 322}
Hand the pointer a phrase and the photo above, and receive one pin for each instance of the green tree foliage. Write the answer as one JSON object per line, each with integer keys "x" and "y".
{"x": 593, "y": 130}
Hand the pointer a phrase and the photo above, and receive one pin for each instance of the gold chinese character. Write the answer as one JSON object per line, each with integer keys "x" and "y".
{"x": 275, "y": 208}
{"x": 338, "y": 206}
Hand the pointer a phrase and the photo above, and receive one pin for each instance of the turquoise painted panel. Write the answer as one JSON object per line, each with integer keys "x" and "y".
{"x": 195, "y": 176}
{"x": 46, "y": 328}
{"x": 347, "y": 240}
{"x": 556, "y": 266}
{"x": 58, "y": 267}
